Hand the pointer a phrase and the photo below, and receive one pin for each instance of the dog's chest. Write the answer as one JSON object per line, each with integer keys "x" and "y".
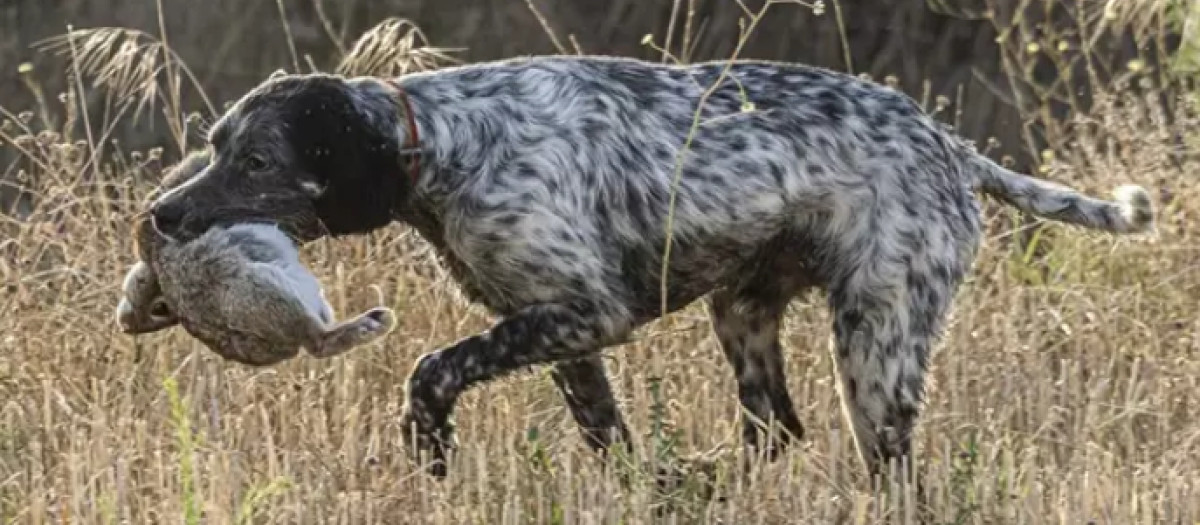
{"x": 432, "y": 229}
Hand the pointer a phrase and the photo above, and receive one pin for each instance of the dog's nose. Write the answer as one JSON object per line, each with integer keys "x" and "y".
{"x": 166, "y": 216}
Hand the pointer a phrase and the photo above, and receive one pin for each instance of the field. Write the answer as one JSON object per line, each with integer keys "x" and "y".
{"x": 1064, "y": 390}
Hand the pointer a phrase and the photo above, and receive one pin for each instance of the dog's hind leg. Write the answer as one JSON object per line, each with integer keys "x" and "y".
{"x": 748, "y": 330}
{"x": 886, "y": 320}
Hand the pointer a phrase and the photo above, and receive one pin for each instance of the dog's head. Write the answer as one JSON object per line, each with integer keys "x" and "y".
{"x": 315, "y": 154}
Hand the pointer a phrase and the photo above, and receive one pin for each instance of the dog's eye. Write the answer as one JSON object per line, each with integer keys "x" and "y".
{"x": 257, "y": 163}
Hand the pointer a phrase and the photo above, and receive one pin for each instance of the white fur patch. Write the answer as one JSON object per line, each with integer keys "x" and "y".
{"x": 124, "y": 313}
{"x": 1136, "y": 207}
{"x": 288, "y": 272}
{"x": 312, "y": 188}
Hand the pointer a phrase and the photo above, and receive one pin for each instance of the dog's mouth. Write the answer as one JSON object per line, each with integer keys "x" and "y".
{"x": 298, "y": 236}
{"x": 160, "y": 233}
{"x": 185, "y": 235}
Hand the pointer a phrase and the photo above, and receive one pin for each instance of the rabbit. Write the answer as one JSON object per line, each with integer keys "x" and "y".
{"x": 239, "y": 289}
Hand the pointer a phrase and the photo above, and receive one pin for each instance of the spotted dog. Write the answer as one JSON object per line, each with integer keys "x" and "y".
{"x": 545, "y": 184}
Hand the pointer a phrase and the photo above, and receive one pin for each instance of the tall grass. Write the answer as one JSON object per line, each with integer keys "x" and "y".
{"x": 1064, "y": 391}
{"x": 187, "y": 450}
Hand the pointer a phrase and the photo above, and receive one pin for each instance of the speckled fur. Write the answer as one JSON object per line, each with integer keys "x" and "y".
{"x": 545, "y": 184}
{"x": 239, "y": 289}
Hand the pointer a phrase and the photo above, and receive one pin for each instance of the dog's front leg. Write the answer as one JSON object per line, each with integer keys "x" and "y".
{"x": 537, "y": 334}
{"x": 589, "y": 397}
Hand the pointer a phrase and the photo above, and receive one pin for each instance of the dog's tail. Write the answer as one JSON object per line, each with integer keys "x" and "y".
{"x": 1130, "y": 212}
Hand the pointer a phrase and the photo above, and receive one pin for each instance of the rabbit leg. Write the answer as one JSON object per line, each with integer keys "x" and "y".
{"x": 367, "y": 327}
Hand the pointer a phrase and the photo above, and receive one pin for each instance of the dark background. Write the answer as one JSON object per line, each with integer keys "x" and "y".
{"x": 233, "y": 44}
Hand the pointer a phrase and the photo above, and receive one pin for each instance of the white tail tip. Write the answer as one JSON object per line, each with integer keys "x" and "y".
{"x": 1136, "y": 207}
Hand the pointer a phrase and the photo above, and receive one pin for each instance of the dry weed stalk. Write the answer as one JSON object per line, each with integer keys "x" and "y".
{"x": 125, "y": 63}
{"x": 392, "y": 48}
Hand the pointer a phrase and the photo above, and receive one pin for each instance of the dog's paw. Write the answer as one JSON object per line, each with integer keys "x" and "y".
{"x": 429, "y": 438}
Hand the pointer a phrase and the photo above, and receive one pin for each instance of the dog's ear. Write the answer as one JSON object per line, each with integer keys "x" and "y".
{"x": 350, "y": 147}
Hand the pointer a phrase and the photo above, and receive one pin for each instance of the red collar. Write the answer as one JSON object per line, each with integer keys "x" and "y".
{"x": 413, "y": 142}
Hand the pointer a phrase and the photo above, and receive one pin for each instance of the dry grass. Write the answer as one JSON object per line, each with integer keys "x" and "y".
{"x": 1064, "y": 391}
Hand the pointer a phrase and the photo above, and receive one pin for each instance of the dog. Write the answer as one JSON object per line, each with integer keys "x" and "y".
{"x": 548, "y": 186}
{"x": 239, "y": 289}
